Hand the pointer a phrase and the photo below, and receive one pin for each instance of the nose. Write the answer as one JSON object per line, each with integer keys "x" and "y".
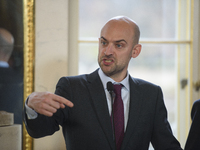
{"x": 109, "y": 50}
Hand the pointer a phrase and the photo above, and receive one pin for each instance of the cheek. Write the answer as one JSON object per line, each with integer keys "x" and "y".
{"x": 124, "y": 58}
{"x": 101, "y": 51}
{"x": 100, "y": 54}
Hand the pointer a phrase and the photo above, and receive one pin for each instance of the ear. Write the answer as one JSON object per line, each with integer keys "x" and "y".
{"x": 136, "y": 50}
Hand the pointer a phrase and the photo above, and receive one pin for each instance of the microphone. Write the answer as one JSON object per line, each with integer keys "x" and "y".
{"x": 110, "y": 89}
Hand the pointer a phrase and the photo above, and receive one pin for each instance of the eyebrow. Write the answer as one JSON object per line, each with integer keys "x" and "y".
{"x": 122, "y": 40}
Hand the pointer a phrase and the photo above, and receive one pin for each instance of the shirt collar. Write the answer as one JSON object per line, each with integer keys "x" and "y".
{"x": 105, "y": 79}
{"x": 4, "y": 64}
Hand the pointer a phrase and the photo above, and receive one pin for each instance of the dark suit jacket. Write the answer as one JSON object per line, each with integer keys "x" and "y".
{"x": 87, "y": 126}
{"x": 193, "y": 140}
{"x": 11, "y": 93}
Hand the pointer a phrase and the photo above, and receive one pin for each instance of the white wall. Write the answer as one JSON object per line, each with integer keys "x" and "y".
{"x": 51, "y": 53}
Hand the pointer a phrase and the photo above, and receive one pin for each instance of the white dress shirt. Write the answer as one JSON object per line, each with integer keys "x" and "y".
{"x": 125, "y": 93}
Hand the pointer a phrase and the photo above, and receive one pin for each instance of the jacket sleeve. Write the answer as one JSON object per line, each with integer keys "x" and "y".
{"x": 162, "y": 137}
{"x": 43, "y": 125}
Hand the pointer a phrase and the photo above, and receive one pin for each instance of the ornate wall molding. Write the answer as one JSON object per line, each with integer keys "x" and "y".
{"x": 29, "y": 47}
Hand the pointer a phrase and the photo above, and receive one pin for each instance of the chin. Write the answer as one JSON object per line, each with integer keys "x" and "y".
{"x": 108, "y": 73}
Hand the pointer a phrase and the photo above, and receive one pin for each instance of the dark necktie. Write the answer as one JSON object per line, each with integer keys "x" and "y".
{"x": 118, "y": 111}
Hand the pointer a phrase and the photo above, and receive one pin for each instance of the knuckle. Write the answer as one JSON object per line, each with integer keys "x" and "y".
{"x": 41, "y": 105}
{"x": 42, "y": 111}
{"x": 46, "y": 100}
{"x": 55, "y": 110}
{"x": 57, "y": 105}
{"x": 47, "y": 94}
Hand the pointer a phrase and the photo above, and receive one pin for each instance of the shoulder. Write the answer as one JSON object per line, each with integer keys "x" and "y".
{"x": 71, "y": 85}
{"x": 195, "y": 108}
{"x": 72, "y": 80}
{"x": 197, "y": 103}
{"x": 145, "y": 88}
{"x": 79, "y": 79}
{"x": 142, "y": 83}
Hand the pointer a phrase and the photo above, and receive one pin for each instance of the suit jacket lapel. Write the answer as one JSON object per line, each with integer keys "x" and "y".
{"x": 99, "y": 101}
{"x": 134, "y": 110}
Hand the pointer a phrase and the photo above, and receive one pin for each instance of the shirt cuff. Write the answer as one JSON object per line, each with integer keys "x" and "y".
{"x": 31, "y": 114}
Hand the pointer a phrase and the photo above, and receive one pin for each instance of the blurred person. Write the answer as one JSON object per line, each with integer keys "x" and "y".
{"x": 193, "y": 140}
{"x": 6, "y": 47}
{"x": 11, "y": 83}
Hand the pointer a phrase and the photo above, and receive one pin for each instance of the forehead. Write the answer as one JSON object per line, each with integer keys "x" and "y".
{"x": 117, "y": 30}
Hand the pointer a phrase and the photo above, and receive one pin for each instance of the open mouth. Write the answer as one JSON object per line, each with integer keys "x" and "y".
{"x": 107, "y": 61}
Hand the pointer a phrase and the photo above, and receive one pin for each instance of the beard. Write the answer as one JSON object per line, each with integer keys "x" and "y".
{"x": 113, "y": 69}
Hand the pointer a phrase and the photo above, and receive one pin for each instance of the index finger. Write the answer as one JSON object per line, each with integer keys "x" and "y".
{"x": 62, "y": 100}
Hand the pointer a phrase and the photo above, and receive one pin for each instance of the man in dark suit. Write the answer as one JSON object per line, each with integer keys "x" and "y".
{"x": 11, "y": 82}
{"x": 86, "y": 119}
{"x": 193, "y": 140}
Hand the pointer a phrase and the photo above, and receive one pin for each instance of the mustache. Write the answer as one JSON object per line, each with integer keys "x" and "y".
{"x": 107, "y": 57}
